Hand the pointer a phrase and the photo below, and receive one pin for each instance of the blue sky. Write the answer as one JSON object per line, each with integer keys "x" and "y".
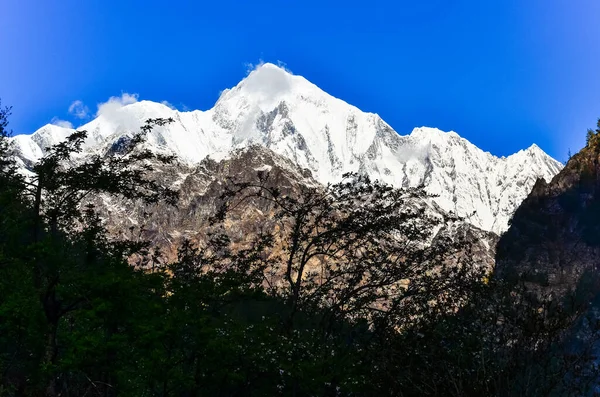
{"x": 502, "y": 73}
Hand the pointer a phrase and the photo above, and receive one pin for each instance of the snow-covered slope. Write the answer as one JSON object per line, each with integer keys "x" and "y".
{"x": 296, "y": 119}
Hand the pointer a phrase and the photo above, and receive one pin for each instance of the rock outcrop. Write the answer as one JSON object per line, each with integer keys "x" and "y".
{"x": 554, "y": 237}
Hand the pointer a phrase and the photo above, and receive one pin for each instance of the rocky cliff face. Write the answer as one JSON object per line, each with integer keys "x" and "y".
{"x": 554, "y": 237}
{"x": 201, "y": 187}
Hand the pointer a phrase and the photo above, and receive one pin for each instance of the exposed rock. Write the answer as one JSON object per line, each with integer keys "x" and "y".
{"x": 201, "y": 188}
{"x": 554, "y": 237}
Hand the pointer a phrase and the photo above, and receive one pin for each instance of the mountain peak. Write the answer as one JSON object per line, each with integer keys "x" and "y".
{"x": 266, "y": 81}
{"x": 272, "y": 66}
{"x": 554, "y": 232}
{"x": 50, "y": 134}
{"x": 49, "y": 128}
{"x": 431, "y": 131}
{"x": 150, "y": 108}
{"x": 534, "y": 149}
{"x": 268, "y": 85}
{"x": 433, "y": 135}
{"x": 292, "y": 117}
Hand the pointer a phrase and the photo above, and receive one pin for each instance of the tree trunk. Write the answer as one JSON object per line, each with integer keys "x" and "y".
{"x": 50, "y": 359}
{"x": 52, "y": 312}
{"x": 37, "y": 209}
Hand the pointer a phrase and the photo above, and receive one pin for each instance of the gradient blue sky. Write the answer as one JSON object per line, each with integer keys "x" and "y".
{"x": 502, "y": 73}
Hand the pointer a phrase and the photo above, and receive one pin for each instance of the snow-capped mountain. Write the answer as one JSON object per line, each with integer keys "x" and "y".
{"x": 294, "y": 118}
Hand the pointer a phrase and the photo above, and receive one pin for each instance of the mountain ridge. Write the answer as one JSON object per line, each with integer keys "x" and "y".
{"x": 296, "y": 119}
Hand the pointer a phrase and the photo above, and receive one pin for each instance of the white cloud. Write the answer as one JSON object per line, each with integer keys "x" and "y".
{"x": 79, "y": 110}
{"x": 61, "y": 123}
{"x": 266, "y": 82}
{"x": 250, "y": 67}
{"x": 283, "y": 66}
{"x": 115, "y": 103}
{"x": 111, "y": 111}
{"x": 169, "y": 105}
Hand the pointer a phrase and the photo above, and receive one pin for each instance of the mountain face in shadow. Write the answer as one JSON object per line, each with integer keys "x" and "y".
{"x": 553, "y": 241}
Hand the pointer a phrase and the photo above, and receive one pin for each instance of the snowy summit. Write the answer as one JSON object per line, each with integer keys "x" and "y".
{"x": 294, "y": 118}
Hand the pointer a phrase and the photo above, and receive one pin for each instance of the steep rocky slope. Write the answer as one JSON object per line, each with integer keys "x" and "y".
{"x": 554, "y": 238}
{"x": 201, "y": 187}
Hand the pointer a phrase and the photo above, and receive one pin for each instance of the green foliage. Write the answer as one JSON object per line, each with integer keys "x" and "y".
{"x": 591, "y": 135}
{"x": 341, "y": 302}
{"x": 62, "y": 279}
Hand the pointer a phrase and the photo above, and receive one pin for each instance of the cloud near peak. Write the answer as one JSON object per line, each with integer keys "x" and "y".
{"x": 109, "y": 109}
{"x": 169, "y": 105}
{"x": 251, "y": 67}
{"x": 114, "y": 103}
{"x": 61, "y": 123}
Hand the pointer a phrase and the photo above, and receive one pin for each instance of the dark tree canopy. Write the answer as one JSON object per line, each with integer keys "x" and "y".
{"x": 352, "y": 292}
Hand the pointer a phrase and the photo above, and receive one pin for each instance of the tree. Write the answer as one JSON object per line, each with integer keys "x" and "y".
{"x": 591, "y": 134}
{"x": 356, "y": 248}
{"x": 7, "y": 163}
{"x": 63, "y": 247}
{"x": 355, "y": 288}
{"x": 505, "y": 341}
{"x": 358, "y": 257}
